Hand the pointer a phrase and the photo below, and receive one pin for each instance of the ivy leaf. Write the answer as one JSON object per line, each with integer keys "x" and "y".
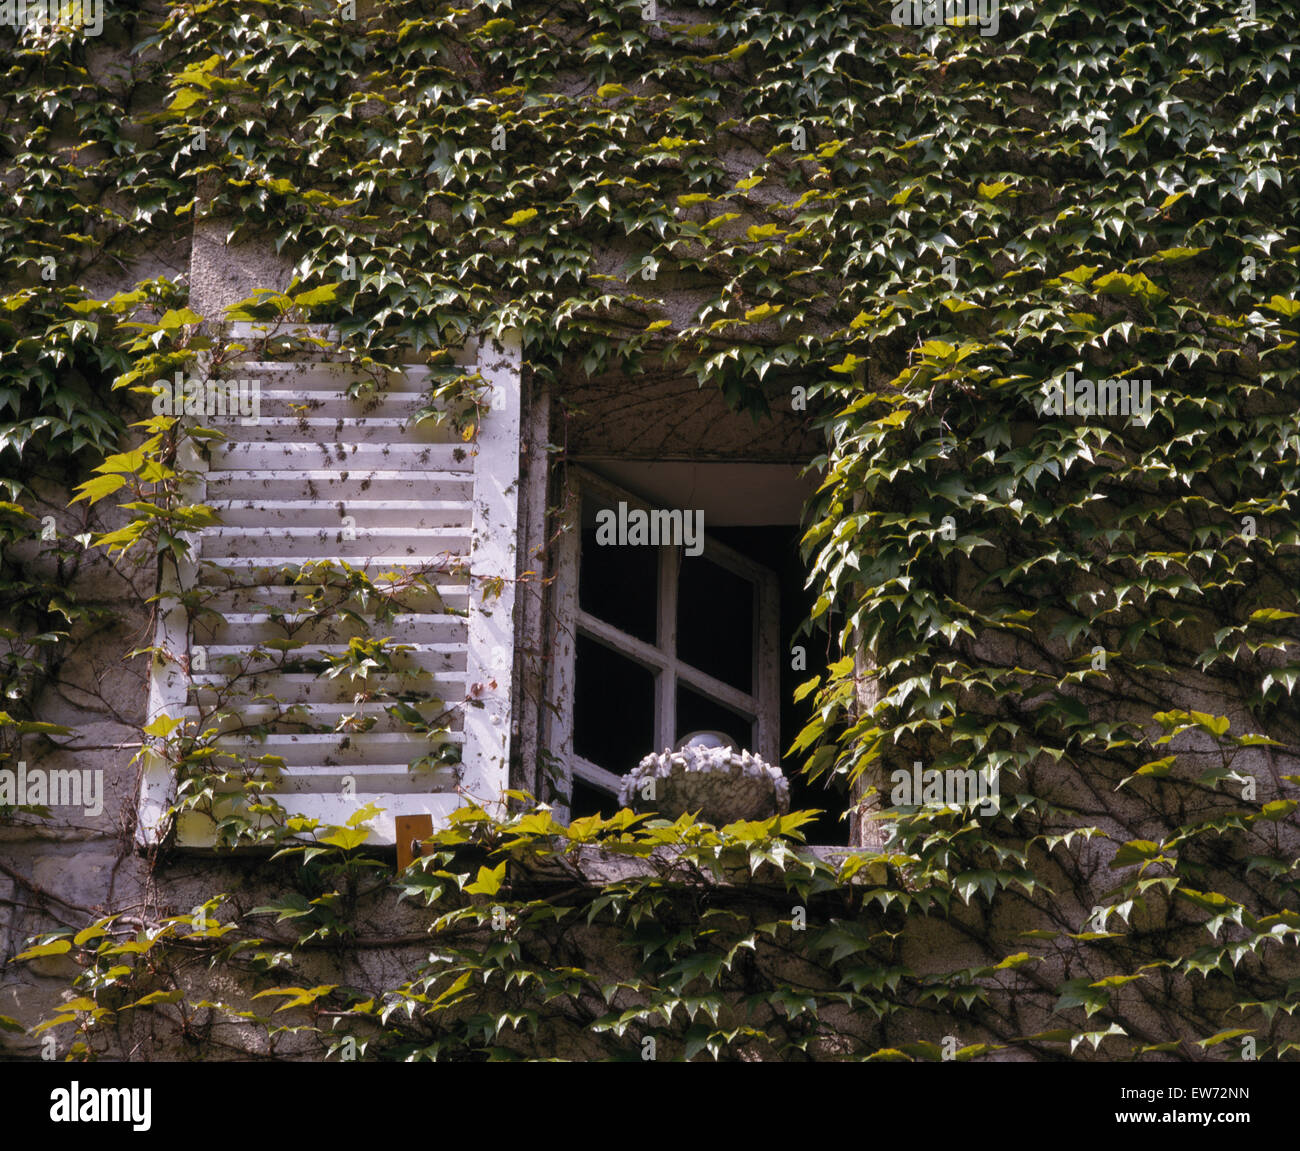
{"x": 128, "y": 462}
{"x": 1176, "y": 255}
{"x": 1082, "y": 993}
{"x": 96, "y": 489}
{"x": 1284, "y": 307}
{"x": 1136, "y": 851}
{"x": 176, "y": 318}
{"x": 369, "y": 811}
{"x": 162, "y": 726}
{"x": 1224, "y": 1036}
{"x": 1116, "y": 980}
{"x": 185, "y": 99}
{"x": 94, "y": 931}
{"x": 298, "y": 996}
{"x": 1214, "y": 724}
{"x": 1157, "y": 769}
{"x": 156, "y": 997}
{"x": 325, "y": 294}
{"x": 488, "y": 882}
{"x": 1095, "y": 1037}
{"x": 293, "y": 906}
{"x": 1286, "y": 677}
{"x": 1137, "y": 287}
{"x": 347, "y": 838}
{"x": 58, "y": 947}
{"x": 803, "y": 690}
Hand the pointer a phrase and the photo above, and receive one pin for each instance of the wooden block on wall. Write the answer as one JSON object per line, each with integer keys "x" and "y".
{"x": 410, "y": 830}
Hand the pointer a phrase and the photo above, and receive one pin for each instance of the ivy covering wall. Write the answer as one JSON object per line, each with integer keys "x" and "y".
{"x": 912, "y": 233}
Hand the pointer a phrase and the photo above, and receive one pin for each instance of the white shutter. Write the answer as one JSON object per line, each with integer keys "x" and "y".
{"x": 417, "y": 497}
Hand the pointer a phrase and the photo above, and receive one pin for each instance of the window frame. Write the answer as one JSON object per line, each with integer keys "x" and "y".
{"x": 762, "y": 702}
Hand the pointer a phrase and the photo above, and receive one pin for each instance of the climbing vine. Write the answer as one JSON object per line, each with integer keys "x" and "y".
{"x": 921, "y": 236}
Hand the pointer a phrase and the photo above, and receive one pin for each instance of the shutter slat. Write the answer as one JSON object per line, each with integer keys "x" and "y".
{"x": 321, "y": 402}
{"x": 300, "y": 687}
{"x": 333, "y": 749}
{"x": 432, "y": 657}
{"x": 347, "y": 456}
{"x": 417, "y": 514}
{"x": 279, "y": 428}
{"x": 274, "y": 375}
{"x": 315, "y": 543}
{"x": 334, "y": 484}
{"x": 291, "y": 717}
{"x": 243, "y": 628}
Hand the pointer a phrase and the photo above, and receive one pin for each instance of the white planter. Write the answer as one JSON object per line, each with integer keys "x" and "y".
{"x": 722, "y": 784}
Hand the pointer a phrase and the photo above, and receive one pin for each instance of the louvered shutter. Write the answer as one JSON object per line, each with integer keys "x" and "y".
{"x": 324, "y": 476}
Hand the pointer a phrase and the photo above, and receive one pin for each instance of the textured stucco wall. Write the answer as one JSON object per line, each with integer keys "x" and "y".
{"x": 66, "y": 871}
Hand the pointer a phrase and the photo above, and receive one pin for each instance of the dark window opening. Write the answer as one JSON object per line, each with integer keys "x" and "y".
{"x": 698, "y": 713}
{"x": 587, "y": 800}
{"x": 613, "y": 708}
{"x": 715, "y": 622}
{"x": 620, "y": 586}
{"x": 778, "y": 549}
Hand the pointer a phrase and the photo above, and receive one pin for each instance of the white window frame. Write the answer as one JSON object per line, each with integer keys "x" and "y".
{"x": 762, "y": 703}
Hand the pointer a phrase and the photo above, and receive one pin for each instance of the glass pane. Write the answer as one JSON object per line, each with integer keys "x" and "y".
{"x": 697, "y": 713}
{"x": 613, "y": 708}
{"x": 618, "y": 584}
{"x": 715, "y": 621}
{"x": 588, "y": 800}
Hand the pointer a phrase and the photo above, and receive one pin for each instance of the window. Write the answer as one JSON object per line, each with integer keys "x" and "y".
{"x": 662, "y": 641}
{"x": 322, "y": 476}
{"x": 653, "y": 642}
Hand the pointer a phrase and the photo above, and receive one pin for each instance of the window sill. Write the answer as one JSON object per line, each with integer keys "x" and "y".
{"x": 600, "y": 865}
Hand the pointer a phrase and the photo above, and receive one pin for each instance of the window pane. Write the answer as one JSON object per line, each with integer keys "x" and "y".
{"x": 697, "y": 713}
{"x": 715, "y": 621}
{"x": 613, "y": 708}
{"x": 588, "y": 800}
{"x": 619, "y": 585}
